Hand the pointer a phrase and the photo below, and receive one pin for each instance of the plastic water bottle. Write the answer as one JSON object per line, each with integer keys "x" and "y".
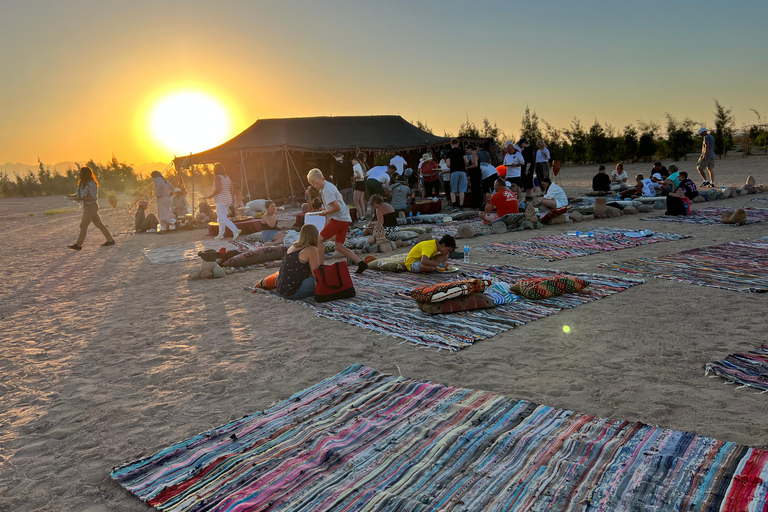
{"x": 466, "y": 253}
{"x": 723, "y": 188}
{"x": 410, "y": 214}
{"x": 418, "y": 214}
{"x": 486, "y": 276}
{"x": 590, "y": 234}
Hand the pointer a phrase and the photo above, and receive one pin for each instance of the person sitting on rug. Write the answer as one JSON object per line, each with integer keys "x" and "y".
{"x": 601, "y": 182}
{"x": 646, "y": 187}
{"x": 660, "y": 169}
{"x": 179, "y": 204}
{"x": 270, "y": 231}
{"x": 145, "y": 222}
{"x": 384, "y": 219}
{"x": 503, "y": 202}
{"x": 619, "y": 178}
{"x": 629, "y": 192}
{"x": 296, "y": 278}
{"x": 671, "y": 182}
{"x": 429, "y": 255}
{"x": 554, "y": 196}
{"x": 687, "y": 185}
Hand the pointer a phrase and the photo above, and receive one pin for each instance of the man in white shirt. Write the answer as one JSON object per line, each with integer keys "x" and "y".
{"x": 378, "y": 179}
{"x": 514, "y": 161}
{"x": 336, "y": 211}
{"x": 554, "y": 197}
{"x": 399, "y": 163}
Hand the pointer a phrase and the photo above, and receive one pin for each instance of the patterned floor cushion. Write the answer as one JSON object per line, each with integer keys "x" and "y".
{"x": 450, "y": 290}
{"x": 467, "y": 303}
{"x": 545, "y": 287}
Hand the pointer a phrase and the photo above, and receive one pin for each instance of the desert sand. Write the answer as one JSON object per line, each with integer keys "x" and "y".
{"x": 107, "y": 358}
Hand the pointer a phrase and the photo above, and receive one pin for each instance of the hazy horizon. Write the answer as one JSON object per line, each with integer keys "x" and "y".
{"x": 85, "y": 77}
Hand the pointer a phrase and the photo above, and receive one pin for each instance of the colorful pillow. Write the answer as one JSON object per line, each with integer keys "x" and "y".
{"x": 468, "y": 303}
{"x": 444, "y": 291}
{"x": 546, "y": 287}
{"x": 551, "y": 214}
{"x": 387, "y": 266}
{"x": 268, "y": 283}
{"x": 256, "y": 256}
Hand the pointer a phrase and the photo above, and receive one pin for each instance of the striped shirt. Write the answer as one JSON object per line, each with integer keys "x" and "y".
{"x": 224, "y": 196}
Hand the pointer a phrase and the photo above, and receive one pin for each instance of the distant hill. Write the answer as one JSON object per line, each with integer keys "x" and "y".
{"x": 60, "y": 167}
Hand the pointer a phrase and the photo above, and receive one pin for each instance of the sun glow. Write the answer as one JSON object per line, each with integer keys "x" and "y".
{"x": 188, "y": 122}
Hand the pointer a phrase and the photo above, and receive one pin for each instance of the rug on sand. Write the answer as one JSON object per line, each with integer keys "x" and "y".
{"x": 363, "y": 440}
{"x": 713, "y": 215}
{"x": 451, "y": 228}
{"x": 376, "y": 306}
{"x": 750, "y": 369}
{"x": 741, "y": 266}
{"x": 562, "y": 246}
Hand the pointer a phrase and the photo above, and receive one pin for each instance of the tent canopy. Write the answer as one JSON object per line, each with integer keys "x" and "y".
{"x": 320, "y": 135}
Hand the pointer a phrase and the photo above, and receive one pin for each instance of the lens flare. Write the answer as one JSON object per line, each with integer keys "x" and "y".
{"x": 566, "y": 329}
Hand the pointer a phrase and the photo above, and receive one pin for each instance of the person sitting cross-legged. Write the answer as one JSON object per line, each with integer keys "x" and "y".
{"x": 554, "y": 196}
{"x": 427, "y": 256}
{"x": 503, "y": 202}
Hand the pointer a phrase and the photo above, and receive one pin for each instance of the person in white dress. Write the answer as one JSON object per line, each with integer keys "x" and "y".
{"x": 163, "y": 191}
{"x": 222, "y": 192}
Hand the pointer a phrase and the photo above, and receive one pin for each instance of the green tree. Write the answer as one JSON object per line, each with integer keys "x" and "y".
{"x": 630, "y": 143}
{"x": 529, "y": 128}
{"x": 724, "y": 122}
{"x": 646, "y": 145}
{"x": 556, "y": 142}
{"x": 679, "y": 137}
{"x": 597, "y": 143}
{"x": 577, "y": 138}
{"x": 492, "y": 131}
{"x": 7, "y": 187}
{"x": 423, "y": 126}
{"x": 469, "y": 129}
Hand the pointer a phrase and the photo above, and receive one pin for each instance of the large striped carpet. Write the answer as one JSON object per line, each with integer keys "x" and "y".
{"x": 750, "y": 369}
{"x": 713, "y": 215}
{"x": 562, "y": 246}
{"x": 741, "y": 266}
{"x": 365, "y": 441}
{"x": 376, "y": 307}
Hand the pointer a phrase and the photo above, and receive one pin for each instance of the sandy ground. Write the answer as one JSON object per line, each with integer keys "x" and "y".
{"x": 107, "y": 358}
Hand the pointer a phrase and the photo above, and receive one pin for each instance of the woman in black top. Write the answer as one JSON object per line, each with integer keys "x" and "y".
{"x": 384, "y": 220}
{"x": 296, "y": 280}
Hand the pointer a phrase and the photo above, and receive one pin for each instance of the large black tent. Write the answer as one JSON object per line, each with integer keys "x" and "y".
{"x": 274, "y": 155}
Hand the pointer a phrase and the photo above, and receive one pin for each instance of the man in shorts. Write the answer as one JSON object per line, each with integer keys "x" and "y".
{"x": 458, "y": 165}
{"x": 707, "y": 158}
{"x": 427, "y": 256}
{"x": 337, "y": 217}
{"x": 502, "y": 203}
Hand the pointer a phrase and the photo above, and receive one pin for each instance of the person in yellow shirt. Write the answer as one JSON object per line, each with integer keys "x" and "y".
{"x": 429, "y": 255}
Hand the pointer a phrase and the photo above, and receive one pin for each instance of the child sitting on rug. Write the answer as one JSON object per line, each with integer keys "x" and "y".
{"x": 687, "y": 185}
{"x": 637, "y": 189}
{"x": 427, "y": 256}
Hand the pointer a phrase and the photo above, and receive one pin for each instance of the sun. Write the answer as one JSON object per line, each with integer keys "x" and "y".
{"x": 189, "y": 122}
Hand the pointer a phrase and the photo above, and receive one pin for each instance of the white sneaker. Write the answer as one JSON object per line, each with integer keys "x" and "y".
{"x": 236, "y": 233}
{"x": 219, "y": 237}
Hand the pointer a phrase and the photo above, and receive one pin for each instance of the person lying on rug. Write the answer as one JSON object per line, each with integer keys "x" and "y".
{"x": 554, "y": 196}
{"x": 337, "y": 216}
{"x": 270, "y": 231}
{"x": 296, "y": 280}
{"x": 384, "y": 219}
{"x": 503, "y": 202}
{"x": 145, "y": 221}
{"x": 429, "y": 255}
{"x": 601, "y": 182}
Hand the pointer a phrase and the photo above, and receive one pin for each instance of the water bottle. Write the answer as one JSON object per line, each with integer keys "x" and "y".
{"x": 486, "y": 276}
{"x": 723, "y": 188}
{"x": 410, "y": 214}
{"x": 466, "y": 253}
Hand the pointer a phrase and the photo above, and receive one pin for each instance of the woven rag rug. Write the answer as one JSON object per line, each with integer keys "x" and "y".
{"x": 451, "y": 228}
{"x": 750, "y": 369}
{"x": 741, "y": 266}
{"x": 363, "y": 440}
{"x": 713, "y": 215}
{"x": 562, "y": 246}
{"x": 376, "y": 306}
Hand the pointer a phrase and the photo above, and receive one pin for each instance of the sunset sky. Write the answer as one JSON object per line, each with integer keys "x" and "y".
{"x": 82, "y": 79}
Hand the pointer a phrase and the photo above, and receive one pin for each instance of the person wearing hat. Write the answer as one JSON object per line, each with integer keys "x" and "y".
{"x": 707, "y": 159}
{"x": 163, "y": 190}
{"x": 179, "y": 204}
{"x": 526, "y": 171}
{"x": 144, "y": 222}
{"x": 430, "y": 173}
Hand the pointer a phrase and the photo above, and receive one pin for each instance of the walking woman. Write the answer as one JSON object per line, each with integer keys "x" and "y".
{"x": 88, "y": 194}
{"x": 542, "y": 163}
{"x": 163, "y": 191}
{"x": 222, "y": 192}
{"x": 359, "y": 171}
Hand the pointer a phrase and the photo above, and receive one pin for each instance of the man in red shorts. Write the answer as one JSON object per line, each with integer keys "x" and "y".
{"x": 337, "y": 217}
{"x": 504, "y": 201}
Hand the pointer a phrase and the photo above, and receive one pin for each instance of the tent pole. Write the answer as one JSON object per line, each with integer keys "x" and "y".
{"x": 192, "y": 176}
{"x": 264, "y": 172}
{"x": 245, "y": 176}
{"x": 288, "y": 171}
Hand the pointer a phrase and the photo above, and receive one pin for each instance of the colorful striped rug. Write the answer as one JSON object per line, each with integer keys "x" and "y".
{"x": 750, "y": 369}
{"x": 376, "y": 307}
{"x": 562, "y": 246}
{"x": 740, "y": 266}
{"x": 363, "y": 440}
{"x": 185, "y": 252}
{"x": 713, "y": 215}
